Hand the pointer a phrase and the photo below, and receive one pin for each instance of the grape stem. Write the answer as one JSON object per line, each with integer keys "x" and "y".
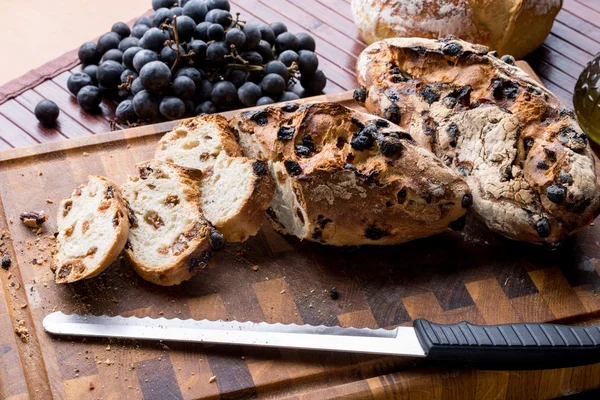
{"x": 127, "y": 84}
{"x": 175, "y": 41}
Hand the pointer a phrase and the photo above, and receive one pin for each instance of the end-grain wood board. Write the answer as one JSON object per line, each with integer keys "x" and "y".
{"x": 473, "y": 275}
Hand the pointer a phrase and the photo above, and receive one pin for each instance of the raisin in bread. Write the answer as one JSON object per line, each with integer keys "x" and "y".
{"x": 348, "y": 178}
{"x": 235, "y": 191}
{"x": 169, "y": 239}
{"x": 526, "y": 159}
{"x": 92, "y": 229}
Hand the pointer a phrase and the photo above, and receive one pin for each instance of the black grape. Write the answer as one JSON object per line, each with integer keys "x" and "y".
{"x": 279, "y": 68}
{"x": 216, "y": 32}
{"x": 142, "y": 58}
{"x": 206, "y": 107}
{"x": 253, "y": 36}
{"x": 91, "y": 71}
{"x": 218, "y": 4}
{"x": 168, "y": 55}
{"x": 155, "y": 76}
{"x": 288, "y": 57}
{"x": 286, "y": 41}
{"x": 185, "y": 28}
{"x": 249, "y": 93}
{"x": 202, "y": 31}
{"x": 288, "y": 96}
{"x": 46, "y": 111}
{"x": 128, "y": 42}
{"x": 108, "y": 41}
{"x": 89, "y": 98}
{"x": 263, "y": 101}
{"x": 253, "y": 57}
{"x": 89, "y": 53}
{"x": 154, "y": 39}
{"x": 146, "y": 105}
{"x": 77, "y": 81}
{"x": 306, "y": 42}
{"x": 191, "y": 73}
{"x": 121, "y": 29}
{"x": 139, "y": 30}
{"x": 224, "y": 94}
{"x": 195, "y": 9}
{"x": 156, "y": 4}
{"x": 237, "y": 77}
{"x": 143, "y": 21}
{"x": 203, "y": 91}
{"x": 235, "y": 37}
{"x": 278, "y": 28}
{"x": 267, "y": 34}
{"x": 265, "y": 50}
{"x": 307, "y": 62}
{"x": 125, "y": 112}
{"x": 161, "y": 16}
{"x": 113, "y": 55}
{"x": 172, "y": 108}
{"x": 109, "y": 74}
{"x": 217, "y": 51}
{"x": 128, "y": 73}
{"x": 128, "y": 56}
{"x": 272, "y": 85}
{"x": 183, "y": 87}
{"x": 314, "y": 83}
{"x": 136, "y": 86}
{"x": 199, "y": 49}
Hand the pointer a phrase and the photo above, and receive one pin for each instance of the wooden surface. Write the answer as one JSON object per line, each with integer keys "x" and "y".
{"x": 473, "y": 275}
{"x": 574, "y": 39}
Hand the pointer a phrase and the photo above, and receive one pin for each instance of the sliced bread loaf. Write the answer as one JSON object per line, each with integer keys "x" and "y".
{"x": 92, "y": 230}
{"x": 169, "y": 240}
{"x": 235, "y": 191}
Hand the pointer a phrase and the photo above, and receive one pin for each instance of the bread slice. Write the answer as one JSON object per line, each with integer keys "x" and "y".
{"x": 235, "y": 191}
{"x": 235, "y": 195}
{"x": 92, "y": 230}
{"x": 197, "y": 142}
{"x": 169, "y": 239}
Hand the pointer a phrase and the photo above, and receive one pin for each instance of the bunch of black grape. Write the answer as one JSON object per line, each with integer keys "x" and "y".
{"x": 192, "y": 58}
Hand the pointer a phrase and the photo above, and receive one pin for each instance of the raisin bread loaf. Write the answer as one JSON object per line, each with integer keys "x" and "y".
{"x": 347, "y": 178}
{"x": 235, "y": 191}
{"x": 522, "y": 152}
{"x": 92, "y": 229}
{"x": 169, "y": 239}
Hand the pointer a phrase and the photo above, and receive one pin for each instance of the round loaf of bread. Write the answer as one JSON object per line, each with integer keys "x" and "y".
{"x": 515, "y": 27}
{"x": 523, "y": 154}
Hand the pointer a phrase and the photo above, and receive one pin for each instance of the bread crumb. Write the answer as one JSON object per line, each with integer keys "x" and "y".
{"x": 92, "y": 387}
{"x": 86, "y": 154}
{"x": 49, "y": 201}
{"x": 22, "y": 332}
{"x": 108, "y": 348}
{"x": 212, "y": 379}
{"x": 282, "y": 292}
{"x": 254, "y": 268}
{"x": 108, "y": 361}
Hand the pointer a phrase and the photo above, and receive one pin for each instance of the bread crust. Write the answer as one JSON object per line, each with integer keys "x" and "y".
{"x": 328, "y": 191}
{"x": 528, "y": 162}
{"x": 515, "y": 27}
{"x": 200, "y": 240}
{"x": 118, "y": 209}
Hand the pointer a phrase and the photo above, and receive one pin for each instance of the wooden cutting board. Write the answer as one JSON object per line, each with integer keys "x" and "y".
{"x": 473, "y": 275}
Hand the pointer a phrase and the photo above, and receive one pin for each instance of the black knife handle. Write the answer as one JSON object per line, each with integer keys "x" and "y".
{"x": 510, "y": 346}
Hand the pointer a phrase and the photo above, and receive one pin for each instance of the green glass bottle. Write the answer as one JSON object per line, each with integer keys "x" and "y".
{"x": 586, "y": 99}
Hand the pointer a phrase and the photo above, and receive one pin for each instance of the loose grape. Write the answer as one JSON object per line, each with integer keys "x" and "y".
{"x": 46, "y": 111}
{"x": 89, "y": 98}
{"x": 125, "y": 112}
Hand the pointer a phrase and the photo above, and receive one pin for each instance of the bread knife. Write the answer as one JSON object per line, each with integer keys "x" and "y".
{"x": 508, "y": 346}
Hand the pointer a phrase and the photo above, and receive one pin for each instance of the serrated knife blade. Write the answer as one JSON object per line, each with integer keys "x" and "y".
{"x": 399, "y": 341}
